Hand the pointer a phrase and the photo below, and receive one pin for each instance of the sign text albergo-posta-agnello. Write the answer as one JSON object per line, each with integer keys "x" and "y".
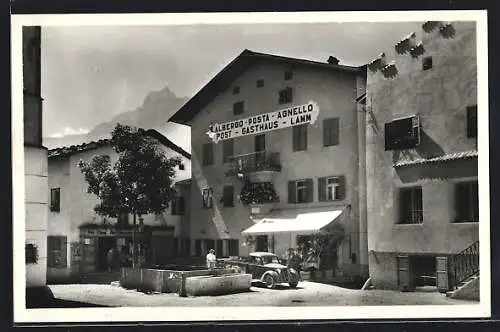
{"x": 284, "y": 118}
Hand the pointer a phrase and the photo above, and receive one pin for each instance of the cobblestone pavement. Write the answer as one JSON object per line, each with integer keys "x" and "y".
{"x": 306, "y": 294}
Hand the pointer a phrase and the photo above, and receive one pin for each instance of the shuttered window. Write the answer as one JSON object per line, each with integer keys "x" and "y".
{"x": 410, "y": 204}
{"x": 210, "y": 244}
{"x": 299, "y": 138}
{"x": 331, "y": 188}
{"x": 207, "y": 198}
{"x": 218, "y": 248}
{"x": 330, "y": 131}
{"x": 55, "y": 199}
{"x": 467, "y": 202}
{"x": 227, "y": 150}
{"x": 208, "y": 154}
{"x": 197, "y": 247}
{"x": 300, "y": 191}
{"x": 56, "y": 251}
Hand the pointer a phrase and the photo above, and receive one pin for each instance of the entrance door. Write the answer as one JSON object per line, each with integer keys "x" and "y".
{"x": 442, "y": 279}
{"x": 405, "y": 281}
{"x": 261, "y": 243}
{"x": 260, "y": 148}
{"x": 105, "y": 243}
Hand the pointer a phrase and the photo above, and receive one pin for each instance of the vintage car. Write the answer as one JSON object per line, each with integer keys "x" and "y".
{"x": 265, "y": 267}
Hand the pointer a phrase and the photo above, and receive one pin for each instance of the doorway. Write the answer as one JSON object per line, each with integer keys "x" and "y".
{"x": 424, "y": 271}
{"x": 260, "y": 148}
{"x": 261, "y": 243}
{"x": 104, "y": 244}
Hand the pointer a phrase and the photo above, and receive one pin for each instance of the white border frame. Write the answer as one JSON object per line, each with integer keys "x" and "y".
{"x": 131, "y": 314}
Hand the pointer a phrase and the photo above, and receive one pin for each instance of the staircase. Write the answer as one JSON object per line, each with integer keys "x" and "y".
{"x": 465, "y": 274}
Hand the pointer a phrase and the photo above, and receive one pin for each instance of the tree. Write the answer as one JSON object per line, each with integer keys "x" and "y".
{"x": 318, "y": 243}
{"x": 140, "y": 181}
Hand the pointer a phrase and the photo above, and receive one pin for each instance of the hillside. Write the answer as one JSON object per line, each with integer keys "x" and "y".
{"x": 157, "y": 108}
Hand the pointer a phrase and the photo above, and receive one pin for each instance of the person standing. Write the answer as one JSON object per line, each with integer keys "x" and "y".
{"x": 211, "y": 259}
{"x": 110, "y": 259}
{"x": 294, "y": 261}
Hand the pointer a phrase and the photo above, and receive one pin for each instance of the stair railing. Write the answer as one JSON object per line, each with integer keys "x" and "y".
{"x": 466, "y": 263}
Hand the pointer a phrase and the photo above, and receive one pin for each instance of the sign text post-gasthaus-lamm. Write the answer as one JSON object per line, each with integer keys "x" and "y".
{"x": 284, "y": 118}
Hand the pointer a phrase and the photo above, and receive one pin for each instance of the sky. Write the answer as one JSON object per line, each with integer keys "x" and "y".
{"x": 92, "y": 73}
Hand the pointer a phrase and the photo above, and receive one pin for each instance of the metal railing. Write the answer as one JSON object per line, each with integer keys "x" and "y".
{"x": 254, "y": 162}
{"x": 466, "y": 263}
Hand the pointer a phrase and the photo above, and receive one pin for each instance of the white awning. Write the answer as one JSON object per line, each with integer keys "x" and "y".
{"x": 305, "y": 223}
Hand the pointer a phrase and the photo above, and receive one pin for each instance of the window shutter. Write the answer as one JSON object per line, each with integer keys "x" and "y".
{"x": 460, "y": 202}
{"x": 387, "y": 132}
{"x": 310, "y": 192}
{"x": 326, "y": 132}
{"x": 292, "y": 197}
{"x": 295, "y": 138}
{"x": 342, "y": 187}
{"x": 404, "y": 205}
{"x": 334, "y": 131}
{"x": 304, "y": 137}
{"x": 322, "y": 189}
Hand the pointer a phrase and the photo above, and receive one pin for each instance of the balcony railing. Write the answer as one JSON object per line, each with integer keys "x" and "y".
{"x": 254, "y": 162}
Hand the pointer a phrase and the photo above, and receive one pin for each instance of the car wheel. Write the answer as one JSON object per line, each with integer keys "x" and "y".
{"x": 293, "y": 284}
{"x": 269, "y": 281}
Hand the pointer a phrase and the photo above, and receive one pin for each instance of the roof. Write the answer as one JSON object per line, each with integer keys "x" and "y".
{"x": 235, "y": 68}
{"x": 448, "y": 157}
{"x": 183, "y": 182}
{"x": 67, "y": 150}
{"x": 262, "y": 253}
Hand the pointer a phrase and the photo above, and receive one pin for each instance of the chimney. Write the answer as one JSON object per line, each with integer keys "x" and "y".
{"x": 333, "y": 60}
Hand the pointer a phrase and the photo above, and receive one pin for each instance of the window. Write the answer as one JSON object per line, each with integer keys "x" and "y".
{"x": 260, "y": 83}
{"x": 236, "y": 90}
{"x": 467, "y": 202}
{"x": 227, "y": 150}
{"x": 186, "y": 247}
{"x": 285, "y": 96}
{"x": 288, "y": 74}
{"x": 233, "y": 247}
{"x": 472, "y": 121}
{"x": 181, "y": 167}
{"x": 208, "y": 154}
{"x": 427, "y": 63}
{"x": 300, "y": 191}
{"x": 330, "y": 131}
{"x": 238, "y": 108}
{"x": 331, "y": 188}
{"x": 410, "y": 200}
{"x": 207, "y": 198}
{"x": 56, "y": 251}
{"x": 299, "y": 137}
{"x": 228, "y": 196}
{"x": 55, "y": 199}
{"x": 402, "y": 134}
{"x": 210, "y": 244}
{"x": 178, "y": 206}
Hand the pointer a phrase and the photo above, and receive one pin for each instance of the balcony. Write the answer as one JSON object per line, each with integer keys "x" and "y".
{"x": 257, "y": 166}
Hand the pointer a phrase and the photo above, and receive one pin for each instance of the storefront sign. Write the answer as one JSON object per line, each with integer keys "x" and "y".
{"x": 284, "y": 118}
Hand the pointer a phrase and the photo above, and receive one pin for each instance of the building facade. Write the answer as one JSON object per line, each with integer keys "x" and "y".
{"x": 79, "y": 239}
{"x": 35, "y": 162}
{"x": 277, "y": 140}
{"x": 421, "y": 156}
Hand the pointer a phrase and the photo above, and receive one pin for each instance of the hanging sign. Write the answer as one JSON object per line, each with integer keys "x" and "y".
{"x": 257, "y": 124}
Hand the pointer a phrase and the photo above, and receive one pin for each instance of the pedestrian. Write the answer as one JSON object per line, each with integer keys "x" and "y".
{"x": 110, "y": 259}
{"x": 294, "y": 260}
{"x": 211, "y": 259}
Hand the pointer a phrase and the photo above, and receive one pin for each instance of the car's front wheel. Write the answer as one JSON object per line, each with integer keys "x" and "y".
{"x": 293, "y": 284}
{"x": 269, "y": 281}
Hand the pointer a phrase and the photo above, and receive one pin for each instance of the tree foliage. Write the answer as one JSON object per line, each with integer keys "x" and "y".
{"x": 319, "y": 243}
{"x": 139, "y": 182}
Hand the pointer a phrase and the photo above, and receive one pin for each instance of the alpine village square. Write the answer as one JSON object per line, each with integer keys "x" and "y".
{"x": 304, "y": 183}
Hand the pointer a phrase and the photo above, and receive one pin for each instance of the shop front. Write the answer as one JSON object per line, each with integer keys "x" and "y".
{"x": 316, "y": 236}
{"x": 109, "y": 247}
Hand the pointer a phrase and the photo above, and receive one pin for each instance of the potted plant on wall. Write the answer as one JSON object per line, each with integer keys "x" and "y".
{"x": 259, "y": 197}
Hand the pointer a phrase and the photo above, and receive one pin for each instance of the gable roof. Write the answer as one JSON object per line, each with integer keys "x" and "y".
{"x": 67, "y": 150}
{"x": 235, "y": 68}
